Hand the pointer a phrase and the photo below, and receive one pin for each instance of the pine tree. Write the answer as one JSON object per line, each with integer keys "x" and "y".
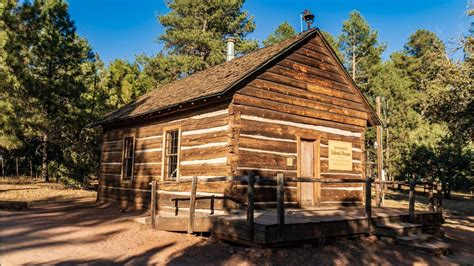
{"x": 195, "y": 32}
{"x": 361, "y": 49}
{"x": 160, "y": 69}
{"x": 122, "y": 83}
{"x": 51, "y": 84}
{"x": 440, "y": 101}
{"x": 283, "y": 31}
{"x": 453, "y": 87}
{"x": 9, "y": 126}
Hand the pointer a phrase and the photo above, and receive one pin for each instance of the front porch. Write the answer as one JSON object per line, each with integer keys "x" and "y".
{"x": 313, "y": 224}
{"x": 284, "y": 225}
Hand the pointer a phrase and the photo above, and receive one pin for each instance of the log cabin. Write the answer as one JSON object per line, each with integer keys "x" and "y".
{"x": 288, "y": 108}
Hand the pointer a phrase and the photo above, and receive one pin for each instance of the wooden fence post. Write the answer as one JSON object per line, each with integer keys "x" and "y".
{"x": 250, "y": 205}
{"x": 411, "y": 206}
{"x": 3, "y": 167}
{"x": 439, "y": 197}
{"x": 31, "y": 170}
{"x": 192, "y": 205}
{"x": 17, "y": 173}
{"x": 368, "y": 204}
{"x": 431, "y": 197}
{"x": 280, "y": 205}
{"x": 153, "y": 204}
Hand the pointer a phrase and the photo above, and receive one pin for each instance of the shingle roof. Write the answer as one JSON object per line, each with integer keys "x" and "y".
{"x": 208, "y": 82}
{"x": 214, "y": 81}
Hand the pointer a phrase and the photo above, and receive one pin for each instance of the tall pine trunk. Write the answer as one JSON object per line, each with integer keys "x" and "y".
{"x": 44, "y": 166}
{"x": 353, "y": 63}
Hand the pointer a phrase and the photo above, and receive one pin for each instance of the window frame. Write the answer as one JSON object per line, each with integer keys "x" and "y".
{"x": 164, "y": 162}
{"x": 124, "y": 158}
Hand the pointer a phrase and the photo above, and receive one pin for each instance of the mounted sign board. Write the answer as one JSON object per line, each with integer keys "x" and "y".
{"x": 340, "y": 155}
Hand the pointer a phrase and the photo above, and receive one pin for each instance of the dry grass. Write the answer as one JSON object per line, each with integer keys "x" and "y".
{"x": 31, "y": 191}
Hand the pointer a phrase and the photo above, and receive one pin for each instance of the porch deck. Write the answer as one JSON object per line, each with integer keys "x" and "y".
{"x": 311, "y": 224}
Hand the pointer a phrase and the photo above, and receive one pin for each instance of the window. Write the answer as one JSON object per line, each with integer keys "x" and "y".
{"x": 171, "y": 154}
{"x": 127, "y": 163}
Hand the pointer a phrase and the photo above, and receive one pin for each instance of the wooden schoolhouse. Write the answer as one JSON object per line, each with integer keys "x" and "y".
{"x": 288, "y": 108}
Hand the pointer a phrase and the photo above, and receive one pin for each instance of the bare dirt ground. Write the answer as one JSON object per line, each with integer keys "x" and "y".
{"x": 67, "y": 227}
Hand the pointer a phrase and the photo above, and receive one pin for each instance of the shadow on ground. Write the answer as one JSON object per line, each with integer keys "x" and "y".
{"x": 66, "y": 230}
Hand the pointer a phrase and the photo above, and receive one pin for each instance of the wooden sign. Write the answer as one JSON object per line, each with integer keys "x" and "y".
{"x": 340, "y": 155}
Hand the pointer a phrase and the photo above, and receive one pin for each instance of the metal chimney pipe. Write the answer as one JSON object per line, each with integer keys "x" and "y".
{"x": 230, "y": 48}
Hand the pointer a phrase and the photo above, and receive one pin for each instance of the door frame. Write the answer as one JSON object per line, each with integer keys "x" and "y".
{"x": 316, "y": 138}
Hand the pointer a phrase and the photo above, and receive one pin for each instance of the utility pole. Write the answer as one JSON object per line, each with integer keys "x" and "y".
{"x": 380, "y": 175}
{"x": 353, "y": 63}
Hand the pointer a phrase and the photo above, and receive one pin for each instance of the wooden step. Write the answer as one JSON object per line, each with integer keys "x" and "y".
{"x": 434, "y": 230}
{"x": 414, "y": 238}
{"x": 435, "y": 247}
{"x": 397, "y": 229}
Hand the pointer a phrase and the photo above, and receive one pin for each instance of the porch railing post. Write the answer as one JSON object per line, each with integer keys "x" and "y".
{"x": 411, "y": 206}
{"x": 250, "y": 205}
{"x": 439, "y": 197}
{"x": 431, "y": 197}
{"x": 192, "y": 205}
{"x": 368, "y": 203}
{"x": 280, "y": 205}
{"x": 377, "y": 192}
{"x": 153, "y": 204}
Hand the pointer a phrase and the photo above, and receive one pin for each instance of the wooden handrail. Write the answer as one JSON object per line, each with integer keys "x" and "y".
{"x": 404, "y": 182}
{"x": 295, "y": 179}
{"x": 212, "y": 198}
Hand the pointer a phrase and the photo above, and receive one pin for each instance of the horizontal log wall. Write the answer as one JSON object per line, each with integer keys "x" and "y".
{"x": 203, "y": 152}
{"x": 305, "y": 94}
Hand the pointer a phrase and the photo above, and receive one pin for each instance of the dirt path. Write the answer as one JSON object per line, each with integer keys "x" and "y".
{"x": 80, "y": 231}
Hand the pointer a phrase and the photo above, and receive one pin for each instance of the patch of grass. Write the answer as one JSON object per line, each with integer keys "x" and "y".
{"x": 32, "y": 191}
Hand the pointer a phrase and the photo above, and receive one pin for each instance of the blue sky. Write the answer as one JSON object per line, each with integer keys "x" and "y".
{"x": 123, "y": 29}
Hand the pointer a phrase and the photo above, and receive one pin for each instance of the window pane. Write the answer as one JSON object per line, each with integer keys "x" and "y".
{"x": 172, "y": 141}
{"x": 129, "y": 168}
{"x": 130, "y": 150}
{"x": 128, "y": 158}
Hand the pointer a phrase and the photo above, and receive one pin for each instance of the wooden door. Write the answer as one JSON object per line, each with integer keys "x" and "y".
{"x": 307, "y": 166}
